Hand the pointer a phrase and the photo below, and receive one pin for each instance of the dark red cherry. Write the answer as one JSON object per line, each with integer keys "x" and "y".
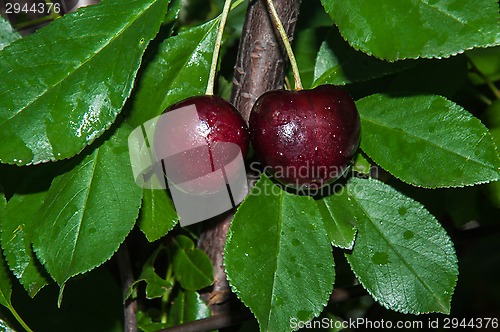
{"x": 197, "y": 138}
{"x": 305, "y": 138}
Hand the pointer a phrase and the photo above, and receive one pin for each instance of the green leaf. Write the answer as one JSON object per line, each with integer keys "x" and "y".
{"x": 427, "y": 141}
{"x": 6, "y": 292}
{"x": 93, "y": 302}
{"x": 5, "y": 284}
{"x": 306, "y": 44}
{"x": 3, "y": 203}
{"x": 145, "y": 322}
{"x": 192, "y": 267}
{"x": 361, "y": 164}
{"x": 339, "y": 218}
{"x": 174, "y": 8}
{"x": 179, "y": 70}
{"x": 30, "y": 186}
{"x": 156, "y": 286}
{"x": 64, "y": 86}
{"x": 224, "y": 88}
{"x": 493, "y": 189}
{"x": 312, "y": 15}
{"x": 7, "y": 33}
{"x": 402, "y": 255}
{"x": 493, "y": 192}
{"x": 278, "y": 258}
{"x": 89, "y": 210}
{"x": 394, "y": 30}
{"x": 491, "y": 116}
{"x": 20, "y": 217}
{"x": 187, "y": 307}
{"x": 338, "y": 63}
{"x": 158, "y": 215}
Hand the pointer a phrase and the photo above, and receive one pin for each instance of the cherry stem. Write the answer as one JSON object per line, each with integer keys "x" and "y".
{"x": 218, "y": 42}
{"x": 286, "y": 43}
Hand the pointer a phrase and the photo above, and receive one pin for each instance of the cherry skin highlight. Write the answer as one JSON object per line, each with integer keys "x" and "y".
{"x": 197, "y": 137}
{"x": 305, "y": 138}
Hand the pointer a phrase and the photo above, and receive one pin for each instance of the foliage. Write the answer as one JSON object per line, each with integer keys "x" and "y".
{"x": 73, "y": 91}
{"x": 418, "y": 29}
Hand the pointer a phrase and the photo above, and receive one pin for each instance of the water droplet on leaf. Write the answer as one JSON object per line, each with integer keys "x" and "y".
{"x": 380, "y": 258}
{"x": 408, "y": 235}
{"x": 402, "y": 211}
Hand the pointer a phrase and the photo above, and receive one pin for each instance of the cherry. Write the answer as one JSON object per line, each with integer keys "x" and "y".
{"x": 305, "y": 138}
{"x": 197, "y": 137}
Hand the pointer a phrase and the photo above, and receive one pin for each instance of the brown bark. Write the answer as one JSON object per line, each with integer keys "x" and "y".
{"x": 127, "y": 279}
{"x": 260, "y": 67}
{"x": 261, "y": 61}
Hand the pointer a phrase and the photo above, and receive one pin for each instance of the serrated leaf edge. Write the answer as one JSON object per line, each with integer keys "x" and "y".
{"x": 213, "y": 23}
{"x": 441, "y": 55}
{"x": 236, "y": 291}
{"x": 470, "y": 116}
{"x": 151, "y": 240}
{"x": 97, "y": 133}
{"x": 36, "y": 250}
{"x": 455, "y": 261}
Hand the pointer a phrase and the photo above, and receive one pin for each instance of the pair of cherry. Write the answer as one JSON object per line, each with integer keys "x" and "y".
{"x": 304, "y": 138}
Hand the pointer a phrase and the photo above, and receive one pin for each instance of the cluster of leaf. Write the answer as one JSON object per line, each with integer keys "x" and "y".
{"x": 404, "y": 71}
{"x": 69, "y": 198}
{"x": 72, "y": 92}
{"x": 191, "y": 268}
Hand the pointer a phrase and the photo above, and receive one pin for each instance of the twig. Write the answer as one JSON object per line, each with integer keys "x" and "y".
{"x": 212, "y": 323}
{"x": 127, "y": 279}
{"x": 232, "y": 318}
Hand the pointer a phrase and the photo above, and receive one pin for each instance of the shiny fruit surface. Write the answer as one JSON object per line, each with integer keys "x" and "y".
{"x": 197, "y": 138}
{"x": 305, "y": 138}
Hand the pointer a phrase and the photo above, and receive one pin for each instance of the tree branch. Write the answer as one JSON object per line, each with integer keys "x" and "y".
{"x": 260, "y": 66}
{"x": 127, "y": 279}
{"x": 212, "y": 323}
{"x": 212, "y": 241}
